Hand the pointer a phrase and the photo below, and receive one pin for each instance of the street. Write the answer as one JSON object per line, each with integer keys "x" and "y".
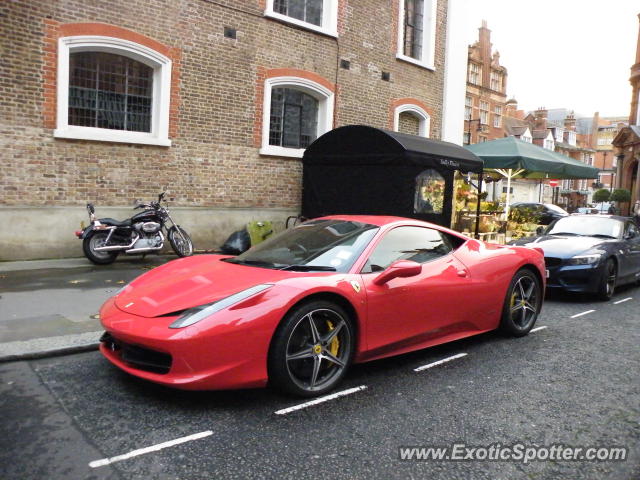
{"x": 573, "y": 383}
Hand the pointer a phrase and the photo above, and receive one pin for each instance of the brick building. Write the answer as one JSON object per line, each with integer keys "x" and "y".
{"x": 486, "y": 91}
{"x": 627, "y": 142}
{"x": 112, "y": 101}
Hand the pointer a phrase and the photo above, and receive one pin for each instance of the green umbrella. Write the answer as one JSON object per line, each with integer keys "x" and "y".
{"x": 513, "y": 158}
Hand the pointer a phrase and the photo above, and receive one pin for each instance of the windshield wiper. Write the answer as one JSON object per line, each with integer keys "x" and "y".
{"x": 602, "y": 235}
{"x": 308, "y": 268}
{"x": 255, "y": 263}
{"x": 564, "y": 233}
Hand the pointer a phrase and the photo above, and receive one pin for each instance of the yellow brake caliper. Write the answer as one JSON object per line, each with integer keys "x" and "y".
{"x": 335, "y": 343}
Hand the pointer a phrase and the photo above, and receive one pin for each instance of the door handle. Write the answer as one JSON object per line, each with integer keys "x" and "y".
{"x": 462, "y": 273}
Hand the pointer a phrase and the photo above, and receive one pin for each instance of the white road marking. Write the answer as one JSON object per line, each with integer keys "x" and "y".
{"x": 439, "y": 362}
{"x": 318, "y": 400}
{"x": 153, "y": 448}
{"x": 623, "y": 300}
{"x": 583, "y": 313}
{"x": 537, "y": 329}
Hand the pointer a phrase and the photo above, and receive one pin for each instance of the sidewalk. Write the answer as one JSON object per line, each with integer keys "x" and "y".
{"x": 50, "y": 307}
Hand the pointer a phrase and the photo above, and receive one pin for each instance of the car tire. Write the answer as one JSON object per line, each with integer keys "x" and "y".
{"x": 608, "y": 281}
{"x": 306, "y": 360}
{"x": 521, "y": 304}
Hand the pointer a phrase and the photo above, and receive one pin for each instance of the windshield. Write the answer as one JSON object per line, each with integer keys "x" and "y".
{"x": 589, "y": 226}
{"x": 556, "y": 208}
{"x": 317, "y": 245}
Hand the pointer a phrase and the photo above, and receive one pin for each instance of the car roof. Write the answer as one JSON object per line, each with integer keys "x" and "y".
{"x": 614, "y": 217}
{"x": 377, "y": 220}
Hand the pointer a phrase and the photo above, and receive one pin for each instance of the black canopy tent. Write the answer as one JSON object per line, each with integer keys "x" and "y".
{"x": 358, "y": 169}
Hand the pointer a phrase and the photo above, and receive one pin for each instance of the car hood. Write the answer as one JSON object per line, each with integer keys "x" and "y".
{"x": 562, "y": 246}
{"x": 189, "y": 282}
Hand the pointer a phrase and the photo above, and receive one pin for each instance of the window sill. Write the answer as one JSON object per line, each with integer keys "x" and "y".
{"x": 413, "y": 61}
{"x": 273, "y": 151}
{"x": 105, "y": 135}
{"x": 299, "y": 23}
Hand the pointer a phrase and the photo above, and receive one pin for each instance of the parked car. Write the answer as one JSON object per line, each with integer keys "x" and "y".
{"x": 589, "y": 253}
{"x": 542, "y": 213}
{"x": 298, "y": 309}
{"x": 586, "y": 211}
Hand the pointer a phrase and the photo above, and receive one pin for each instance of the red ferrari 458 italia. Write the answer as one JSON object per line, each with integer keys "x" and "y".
{"x": 298, "y": 309}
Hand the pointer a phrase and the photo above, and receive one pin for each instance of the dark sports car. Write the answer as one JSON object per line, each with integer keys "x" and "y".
{"x": 541, "y": 213}
{"x": 589, "y": 253}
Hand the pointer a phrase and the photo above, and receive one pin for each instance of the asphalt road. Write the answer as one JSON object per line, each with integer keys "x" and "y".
{"x": 574, "y": 383}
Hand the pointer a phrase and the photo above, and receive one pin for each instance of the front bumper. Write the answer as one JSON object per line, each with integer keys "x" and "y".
{"x": 227, "y": 355}
{"x": 575, "y": 278}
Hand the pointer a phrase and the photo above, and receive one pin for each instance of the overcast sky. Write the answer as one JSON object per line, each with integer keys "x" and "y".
{"x": 573, "y": 54}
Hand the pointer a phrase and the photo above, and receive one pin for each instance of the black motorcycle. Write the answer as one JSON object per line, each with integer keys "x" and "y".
{"x": 105, "y": 238}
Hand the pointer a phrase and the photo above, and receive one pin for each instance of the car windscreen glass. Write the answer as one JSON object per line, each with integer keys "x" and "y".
{"x": 317, "y": 245}
{"x": 589, "y": 226}
{"x": 556, "y": 208}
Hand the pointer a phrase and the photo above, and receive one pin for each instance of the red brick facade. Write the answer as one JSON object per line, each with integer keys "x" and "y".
{"x": 216, "y": 102}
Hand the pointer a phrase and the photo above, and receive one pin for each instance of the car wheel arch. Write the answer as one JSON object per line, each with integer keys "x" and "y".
{"x": 333, "y": 297}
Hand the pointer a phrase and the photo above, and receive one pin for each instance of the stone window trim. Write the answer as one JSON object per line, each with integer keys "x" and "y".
{"x": 329, "y": 18}
{"x": 322, "y": 91}
{"x": 427, "y": 59}
{"x": 162, "y": 66}
{"x": 415, "y": 109}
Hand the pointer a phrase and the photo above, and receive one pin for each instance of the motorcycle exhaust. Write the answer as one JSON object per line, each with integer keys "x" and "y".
{"x": 118, "y": 247}
{"x": 138, "y": 250}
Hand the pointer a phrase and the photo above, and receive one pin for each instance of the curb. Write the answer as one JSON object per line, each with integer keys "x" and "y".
{"x": 54, "y": 352}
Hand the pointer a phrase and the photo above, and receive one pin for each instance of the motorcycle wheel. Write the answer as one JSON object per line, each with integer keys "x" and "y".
{"x": 93, "y": 240}
{"x": 180, "y": 242}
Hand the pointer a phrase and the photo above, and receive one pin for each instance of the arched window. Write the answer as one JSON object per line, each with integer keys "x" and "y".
{"x": 411, "y": 118}
{"x": 296, "y": 112}
{"x": 111, "y": 89}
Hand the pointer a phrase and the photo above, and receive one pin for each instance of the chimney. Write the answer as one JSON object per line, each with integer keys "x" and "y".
{"x": 540, "y": 119}
{"x": 570, "y": 122}
{"x": 484, "y": 36}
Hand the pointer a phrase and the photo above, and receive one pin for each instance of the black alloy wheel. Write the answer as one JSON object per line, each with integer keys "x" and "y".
{"x": 312, "y": 349}
{"x": 522, "y": 304}
{"x": 608, "y": 281}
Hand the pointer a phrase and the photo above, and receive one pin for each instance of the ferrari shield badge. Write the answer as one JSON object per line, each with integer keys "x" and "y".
{"x": 356, "y": 286}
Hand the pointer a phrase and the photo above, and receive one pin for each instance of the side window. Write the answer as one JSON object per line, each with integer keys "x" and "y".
{"x": 631, "y": 231}
{"x": 408, "y": 243}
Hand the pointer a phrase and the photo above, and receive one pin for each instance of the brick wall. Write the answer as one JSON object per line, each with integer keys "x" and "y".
{"x": 214, "y": 160}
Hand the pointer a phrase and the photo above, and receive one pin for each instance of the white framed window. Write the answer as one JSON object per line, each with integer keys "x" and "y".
{"x": 424, "y": 119}
{"x": 549, "y": 144}
{"x": 497, "y": 116}
{"x": 496, "y": 81}
{"x": 475, "y": 73}
{"x": 468, "y": 108}
{"x": 571, "y": 138}
{"x": 484, "y": 112}
{"x": 112, "y": 90}
{"x": 317, "y": 15}
{"x": 559, "y": 136}
{"x": 417, "y": 32}
{"x": 296, "y": 111}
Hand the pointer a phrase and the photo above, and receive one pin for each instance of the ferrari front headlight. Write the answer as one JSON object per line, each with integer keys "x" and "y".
{"x": 585, "y": 259}
{"x": 195, "y": 314}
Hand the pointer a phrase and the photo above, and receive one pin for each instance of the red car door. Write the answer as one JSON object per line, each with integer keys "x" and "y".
{"x": 406, "y": 312}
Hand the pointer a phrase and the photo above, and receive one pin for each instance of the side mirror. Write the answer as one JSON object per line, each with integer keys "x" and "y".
{"x": 539, "y": 230}
{"x": 401, "y": 268}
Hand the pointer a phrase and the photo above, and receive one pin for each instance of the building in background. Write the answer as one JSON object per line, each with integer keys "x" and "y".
{"x": 627, "y": 141}
{"x": 216, "y": 101}
{"x": 486, "y": 91}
